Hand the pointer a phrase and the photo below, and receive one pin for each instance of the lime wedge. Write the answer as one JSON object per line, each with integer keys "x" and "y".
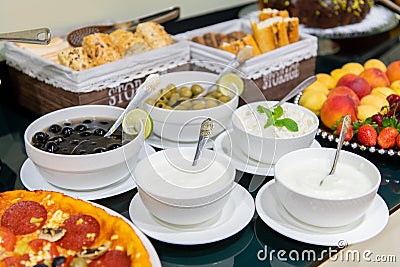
{"x": 228, "y": 82}
{"x": 131, "y": 120}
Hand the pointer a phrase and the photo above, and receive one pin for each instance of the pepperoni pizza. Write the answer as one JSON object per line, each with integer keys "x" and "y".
{"x": 42, "y": 228}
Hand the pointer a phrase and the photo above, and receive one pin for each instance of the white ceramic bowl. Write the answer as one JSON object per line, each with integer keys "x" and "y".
{"x": 326, "y": 205}
{"x": 82, "y": 172}
{"x": 184, "y": 125}
{"x": 178, "y": 193}
{"x": 268, "y": 148}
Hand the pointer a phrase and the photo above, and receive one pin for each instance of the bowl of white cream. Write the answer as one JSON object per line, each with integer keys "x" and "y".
{"x": 178, "y": 193}
{"x": 341, "y": 199}
{"x": 266, "y": 138}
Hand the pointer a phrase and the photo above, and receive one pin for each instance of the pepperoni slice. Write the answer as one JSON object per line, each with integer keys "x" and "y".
{"x": 7, "y": 239}
{"x": 81, "y": 230}
{"x": 24, "y": 217}
{"x": 16, "y": 261}
{"x": 112, "y": 258}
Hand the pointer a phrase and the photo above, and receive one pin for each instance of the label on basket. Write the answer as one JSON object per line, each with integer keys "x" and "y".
{"x": 281, "y": 76}
{"x": 123, "y": 93}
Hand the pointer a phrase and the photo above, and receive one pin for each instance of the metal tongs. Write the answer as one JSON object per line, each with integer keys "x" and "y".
{"x": 34, "y": 36}
{"x": 75, "y": 37}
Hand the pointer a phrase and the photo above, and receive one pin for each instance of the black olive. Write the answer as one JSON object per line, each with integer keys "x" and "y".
{"x": 82, "y": 152}
{"x": 85, "y": 133}
{"x": 113, "y": 146}
{"x": 38, "y": 145}
{"x": 57, "y": 261}
{"x": 55, "y": 128}
{"x": 67, "y": 123}
{"x": 40, "y": 137}
{"x": 104, "y": 122}
{"x": 99, "y": 150}
{"x": 80, "y": 128}
{"x": 41, "y": 265}
{"x": 99, "y": 132}
{"x": 66, "y": 131}
{"x": 57, "y": 139}
{"x": 87, "y": 121}
{"x": 51, "y": 147}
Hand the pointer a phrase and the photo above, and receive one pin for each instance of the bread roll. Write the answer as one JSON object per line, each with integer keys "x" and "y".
{"x": 293, "y": 29}
{"x": 137, "y": 46}
{"x": 154, "y": 34}
{"x": 265, "y": 33}
{"x": 100, "y": 48}
{"x": 75, "y": 58}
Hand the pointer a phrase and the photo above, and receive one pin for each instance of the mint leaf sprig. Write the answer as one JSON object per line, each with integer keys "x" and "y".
{"x": 273, "y": 118}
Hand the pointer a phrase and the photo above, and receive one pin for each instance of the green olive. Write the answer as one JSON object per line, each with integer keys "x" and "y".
{"x": 186, "y": 92}
{"x": 199, "y": 106}
{"x": 196, "y": 89}
{"x": 216, "y": 94}
{"x": 211, "y": 103}
{"x": 162, "y": 99}
{"x": 197, "y": 101}
{"x": 171, "y": 87}
{"x": 175, "y": 96}
{"x": 181, "y": 107}
{"x": 160, "y": 104}
{"x": 78, "y": 262}
{"x": 224, "y": 99}
{"x": 167, "y": 107}
{"x": 151, "y": 101}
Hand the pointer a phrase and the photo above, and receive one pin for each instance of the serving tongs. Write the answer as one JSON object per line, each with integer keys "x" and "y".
{"x": 75, "y": 37}
{"x": 33, "y": 36}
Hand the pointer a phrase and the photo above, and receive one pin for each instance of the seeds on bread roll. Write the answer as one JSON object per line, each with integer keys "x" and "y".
{"x": 75, "y": 58}
{"x": 100, "y": 48}
{"x": 154, "y": 34}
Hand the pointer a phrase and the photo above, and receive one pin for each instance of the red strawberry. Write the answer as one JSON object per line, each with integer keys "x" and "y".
{"x": 387, "y": 137}
{"x": 398, "y": 141}
{"x": 349, "y": 134}
{"x": 367, "y": 135}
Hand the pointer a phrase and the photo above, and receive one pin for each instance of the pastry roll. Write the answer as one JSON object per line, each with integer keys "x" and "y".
{"x": 268, "y": 13}
{"x": 154, "y": 34}
{"x": 75, "y": 58}
{"x": 265, "y": 34}
{"x": 123, "y": 39}
{"x": 293, "y": 29}
{"x": 282, "y": 34}
{"x": 100, "y": 48}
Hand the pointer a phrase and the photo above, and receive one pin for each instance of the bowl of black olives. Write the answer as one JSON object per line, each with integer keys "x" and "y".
{"x": 70, "y": 151}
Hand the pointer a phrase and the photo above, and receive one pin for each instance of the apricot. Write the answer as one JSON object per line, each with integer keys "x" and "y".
{"x": 344, "y": 90}
{"x": 335, "y": 107}
{"x": 326, "y": 79}
{"x": 313, "y": 100}
{"x": 366, "y": 111}
{"x": 393, "y": 71}
{"x": 356, "y": 83}
{"x": 382, "y": 91}
{"x": 375, "y": 77}
{"x": 336, "y": 74}
{"x": 353, "y": 67}
{"x": 395, "y": 86}
{"x": 374, "y": 100}
{"x": 375, "y": 63}
{"x": 317, "y": 86}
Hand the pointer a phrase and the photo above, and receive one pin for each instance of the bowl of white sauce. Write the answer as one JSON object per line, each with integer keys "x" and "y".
{"x": 178, "y": 193}
{"x": 343, "y": 197}
{"x": 266, "y": 142}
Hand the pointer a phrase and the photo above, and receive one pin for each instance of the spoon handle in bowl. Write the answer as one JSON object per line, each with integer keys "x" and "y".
{"x": 205, "y": 131}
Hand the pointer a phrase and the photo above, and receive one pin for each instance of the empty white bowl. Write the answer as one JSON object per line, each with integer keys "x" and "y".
{"x": 267, "y": 145}
{"x": 341, "y": 199}
{"x": 176, "y": 192}
{"x": 184, "y": 125}
{"x": 82, "y": 172}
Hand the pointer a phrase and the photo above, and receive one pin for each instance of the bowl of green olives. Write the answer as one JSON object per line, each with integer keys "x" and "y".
{"x": 180, "y": 104}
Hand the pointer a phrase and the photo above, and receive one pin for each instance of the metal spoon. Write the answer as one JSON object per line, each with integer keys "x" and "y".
{"x": 346, "y": 122}
{"x": 33, "y": 36}
{"x": 299, "y": 88}
{"x": 205, "y": 131}
{"x": 244, "y": 54}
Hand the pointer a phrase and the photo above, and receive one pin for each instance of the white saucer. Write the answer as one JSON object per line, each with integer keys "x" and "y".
{"x": 32, "y": 180}
{"x": 237, "y": 213}
{"x": 242, "y": 162}
{"x": 275, "y": 216}
{"x": 157, "y": 142}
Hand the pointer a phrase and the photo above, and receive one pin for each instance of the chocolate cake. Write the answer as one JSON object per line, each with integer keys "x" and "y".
{"x": 324, "y": 13}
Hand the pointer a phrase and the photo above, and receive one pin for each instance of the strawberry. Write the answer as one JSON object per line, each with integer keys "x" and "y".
{"x": 398, "y": 141}
{"x": 367, "y": 135}
{"x": 387, "y": 137}
{"x": 349, "y": 134}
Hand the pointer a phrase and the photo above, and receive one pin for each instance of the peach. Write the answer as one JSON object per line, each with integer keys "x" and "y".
{"x": 375, "y": 77}
{"x": 356, "y": 83}
{"x": 375, "y": 63}
{"x": 393, "y": 71}
{"x": 353, "y": 67}
{"x": 344, "y": 90}
{"x": 335, "y": 107}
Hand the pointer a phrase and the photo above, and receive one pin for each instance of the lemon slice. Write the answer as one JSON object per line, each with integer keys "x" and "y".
{"x": 131, "y": 120}
{"x": 225, "y": 86}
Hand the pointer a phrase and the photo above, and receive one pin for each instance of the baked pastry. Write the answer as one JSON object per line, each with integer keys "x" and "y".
{"x": 324, "y": 13}
{"x": 129, "y": 43}
{"x": 75, "y": 58}
{"x": 154, "y": 34}
{"x": 235, "y": 46}
{"x": 100, "y": 48}
{"x": 43, "y": 228}
{"x": 268, "y": 13}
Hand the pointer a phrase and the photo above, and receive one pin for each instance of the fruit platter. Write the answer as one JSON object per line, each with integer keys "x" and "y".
{"x": 370, "y": 93}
